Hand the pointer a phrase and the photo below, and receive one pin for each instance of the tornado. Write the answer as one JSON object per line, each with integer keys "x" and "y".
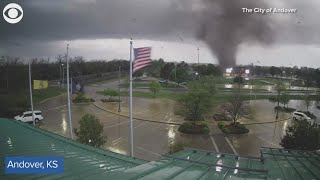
{"x": 224, "y": 27}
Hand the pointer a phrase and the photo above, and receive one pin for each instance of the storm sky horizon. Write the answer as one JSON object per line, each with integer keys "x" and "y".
{"x": 98, "y": 29}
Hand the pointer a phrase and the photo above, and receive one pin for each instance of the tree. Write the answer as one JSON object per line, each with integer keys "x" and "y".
{"x": 238, "y": 80}
{"x": 154, "y": 69}
{"x": 284, "y": 98}
{"x": 154, "y": 87}
{"x": 214, "y": 70}
{"x": 236, "y": 108}
{"x": 302, "y": 136}
{"x": 181, "y": 75}
{"x": 166, "y": 70}
{"x": 206, "y": 83}
{"x": 275, "y": 71}
{"x": 90, "y": 131}
{"x": 279, "y": 89}
{"x": 194, "y": 104}
{"x": 307, "y": 100}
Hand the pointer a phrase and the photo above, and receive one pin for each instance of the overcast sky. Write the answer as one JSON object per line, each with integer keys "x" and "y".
{"x": 100, "y": 29}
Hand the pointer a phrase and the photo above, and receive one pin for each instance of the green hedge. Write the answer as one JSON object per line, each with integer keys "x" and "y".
{"x": 190, "y": 128}
{"x": 80, "y": 98}
{"x": 234, "y": 128}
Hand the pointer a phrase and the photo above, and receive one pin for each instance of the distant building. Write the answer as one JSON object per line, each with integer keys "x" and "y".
{"x": 235, "y": 71}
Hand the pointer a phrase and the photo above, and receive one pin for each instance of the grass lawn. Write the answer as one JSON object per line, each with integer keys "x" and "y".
{"x": 257, "y": 82}
{"x": 242, "y": 90}
{"x": 216, "y": 99}
{"x": 161, "y": 94}
{"x": 42, "y": 94}
{"x": 14, "y": 103}
{"x": 106, "y": 81}
{"x": 144, "y": 84}
{"x": 276, "y": 80}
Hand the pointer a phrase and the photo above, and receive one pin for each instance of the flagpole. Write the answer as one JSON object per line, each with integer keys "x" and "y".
{"x": 130, "y": 105}
{"x": 30, "y": 86}
{"x": 68, "y": 92}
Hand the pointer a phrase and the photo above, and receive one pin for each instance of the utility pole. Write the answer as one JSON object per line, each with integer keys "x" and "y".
{"x": 198, "y": 56}
{"x": 119, "y": 76}
{"x": 68, "y": 92}
{"x": 30, "y": 87}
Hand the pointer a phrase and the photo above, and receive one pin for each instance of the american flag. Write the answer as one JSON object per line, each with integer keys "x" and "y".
{"x": 141, "y": 58}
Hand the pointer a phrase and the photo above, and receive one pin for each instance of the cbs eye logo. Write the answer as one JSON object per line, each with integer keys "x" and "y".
{"x": 12, "y": 13}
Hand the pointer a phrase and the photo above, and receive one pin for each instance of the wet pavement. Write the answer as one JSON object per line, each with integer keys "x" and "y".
{"x": 152, "y": 139}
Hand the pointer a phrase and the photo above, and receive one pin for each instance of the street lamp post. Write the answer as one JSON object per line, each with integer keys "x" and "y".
{"x": 68, "y": 93}
{"x": 30, "y": 88}
{"x": 119, "y": 107}
{"x": 198, "y": 56}
{"x": 63, "y": 75}
{"x": 175, "y": 75}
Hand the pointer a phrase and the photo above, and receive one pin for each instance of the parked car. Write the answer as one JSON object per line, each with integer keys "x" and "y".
{"x": 163, "y": 81}
{"x": 301, "y": 116}
{"x": 27, "y": 116}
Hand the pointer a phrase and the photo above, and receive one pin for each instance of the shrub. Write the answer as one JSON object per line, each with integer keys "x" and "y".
{"x": 80, "y": 98}
{"x": 154, "y": 87}
{"x": 190, "y": 128}
{"x": 285, "y": 109}
{"x": 221, "y": 125}
{"x": 309, "y": 114}
{"x": 236, "y": 128}
{"x": 110, "y": 92}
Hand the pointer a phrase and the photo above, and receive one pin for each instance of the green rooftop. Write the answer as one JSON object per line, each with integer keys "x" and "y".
{"x": 85, "y": 162}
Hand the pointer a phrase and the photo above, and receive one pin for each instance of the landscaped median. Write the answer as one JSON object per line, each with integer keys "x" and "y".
{"x": 232, "y": 128}
{"x": 81, "y": 98}
{"x": 194, "y": 128}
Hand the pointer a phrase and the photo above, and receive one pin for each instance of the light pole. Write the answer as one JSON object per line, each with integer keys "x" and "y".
{"x": 30, "y": 88}
{"x": 119, "y": 107}
{"x": 63, "y": 75}
{"x": 198, "y": 56}
{"x": 68, "y": 92}
{"x": 61, "y": 67}
{"x": 175, "y": 74}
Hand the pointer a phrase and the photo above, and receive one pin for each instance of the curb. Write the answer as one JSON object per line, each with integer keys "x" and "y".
{"x": 149, "y": 120}
{"x": 268, "y": 122}
{"x": 50, "y": 98}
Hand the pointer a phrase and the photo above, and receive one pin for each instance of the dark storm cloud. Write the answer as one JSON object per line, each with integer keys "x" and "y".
{"x": 75, "y": 19}
{"x": 169, "y": 20}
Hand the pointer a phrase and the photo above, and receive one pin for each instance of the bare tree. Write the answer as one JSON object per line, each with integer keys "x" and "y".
{"x": 279, "y": 89}
{"x": 307, "y": 100}
{"x": 236, "y": 108}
